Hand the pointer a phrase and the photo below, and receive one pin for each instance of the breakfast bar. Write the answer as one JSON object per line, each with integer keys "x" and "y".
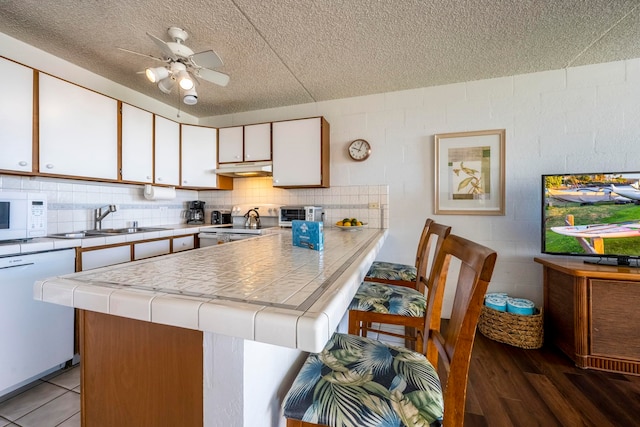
{"x": 211, "y": 336}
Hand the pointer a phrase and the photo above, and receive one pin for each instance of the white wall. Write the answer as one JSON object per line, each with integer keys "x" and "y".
{"x": 575, "y": 120}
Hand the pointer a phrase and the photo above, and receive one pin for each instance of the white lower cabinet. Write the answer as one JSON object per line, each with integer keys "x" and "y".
{"x": 149, "y": 249}
{"x": 183, "y": 243}
{"x": 103, "y": 257}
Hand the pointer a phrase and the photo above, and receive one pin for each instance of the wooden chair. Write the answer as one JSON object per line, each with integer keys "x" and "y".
{"x": 401, "y": 274}
{"x": 357, "y": 381}
{"x": 385, "y": 304}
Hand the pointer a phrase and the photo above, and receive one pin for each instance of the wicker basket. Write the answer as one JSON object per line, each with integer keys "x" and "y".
{"x": 513, "y": 329}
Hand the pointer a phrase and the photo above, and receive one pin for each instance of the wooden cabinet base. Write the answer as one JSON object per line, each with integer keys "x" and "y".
{"x": 591, "y": 313}
{"x": 139, "y": 373}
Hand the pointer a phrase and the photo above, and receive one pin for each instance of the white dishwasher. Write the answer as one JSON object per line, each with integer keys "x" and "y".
{"x": 35, "y": 337}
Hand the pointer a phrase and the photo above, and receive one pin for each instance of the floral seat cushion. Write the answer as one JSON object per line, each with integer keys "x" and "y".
{"x": 389, "y": 299}
{"x": 392, "y": 271}
{"x": 357, "y": 381}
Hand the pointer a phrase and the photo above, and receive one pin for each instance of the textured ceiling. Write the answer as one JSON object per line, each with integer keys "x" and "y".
{"x": 289, "y": 52}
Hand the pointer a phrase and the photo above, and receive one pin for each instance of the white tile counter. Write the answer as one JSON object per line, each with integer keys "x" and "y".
{"x": 261, "y": 289}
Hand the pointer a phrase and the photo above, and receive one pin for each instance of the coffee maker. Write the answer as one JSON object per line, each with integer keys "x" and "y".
{"x": 195, "y": 214}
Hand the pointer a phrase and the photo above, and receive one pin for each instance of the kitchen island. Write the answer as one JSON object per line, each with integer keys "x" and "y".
{"x": 211, "y": 336}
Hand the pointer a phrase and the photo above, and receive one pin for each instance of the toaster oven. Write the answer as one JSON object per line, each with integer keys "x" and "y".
{"x": 304, "y": 213}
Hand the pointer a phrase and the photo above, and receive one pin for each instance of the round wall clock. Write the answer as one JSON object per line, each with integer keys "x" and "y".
{"x": 359, "y": 150}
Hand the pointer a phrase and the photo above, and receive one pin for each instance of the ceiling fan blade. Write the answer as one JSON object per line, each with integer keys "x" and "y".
{"x": 206, "y": 59}
{"x": 141, "y": 54}
{"x": 212, "y": 76}
{"x": 166, "y": 50}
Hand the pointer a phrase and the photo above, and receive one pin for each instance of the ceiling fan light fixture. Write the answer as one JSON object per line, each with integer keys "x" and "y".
{"x": 156, "y": 74}
{"x": 165, "y": 85}
{"x": 190, "y": 97}
{"x": 186, "y": 82}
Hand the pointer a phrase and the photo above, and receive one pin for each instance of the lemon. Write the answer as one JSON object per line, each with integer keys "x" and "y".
{"x": 358, "y": 223}
{"x": 339, "y": 223}
{"x": 346, "y": 224}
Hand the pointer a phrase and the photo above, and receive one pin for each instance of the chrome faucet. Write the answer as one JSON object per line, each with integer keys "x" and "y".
{"x": 98, "y": 215}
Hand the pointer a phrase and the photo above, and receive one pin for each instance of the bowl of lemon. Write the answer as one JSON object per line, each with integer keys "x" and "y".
{"x": 350, "y": 224}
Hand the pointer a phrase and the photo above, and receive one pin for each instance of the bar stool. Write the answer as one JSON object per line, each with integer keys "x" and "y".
{"x": 400, "y": 274}
{"x": 385, "y": 304}
{"x": 356, "y": 381}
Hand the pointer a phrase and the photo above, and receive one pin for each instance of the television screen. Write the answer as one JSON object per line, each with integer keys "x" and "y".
{"x": 592, "y": 215}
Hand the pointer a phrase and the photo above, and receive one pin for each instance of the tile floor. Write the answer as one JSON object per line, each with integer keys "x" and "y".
{"x": 53, "y": 401}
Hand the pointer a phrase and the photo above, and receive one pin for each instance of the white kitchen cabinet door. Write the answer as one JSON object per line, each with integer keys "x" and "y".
{"x": 78, "y": 131}
{"x": 257, "y": 142}
{"x": 230, "y": 144}
{"x": 198, "y": 157}
{"x": 298, "y": 153}
{"x": 149, "y": 249}
{"x": 137, "y": 144}
{"x": 104, "y": 257}
{"x": 16, "y": 117}
{"x": 183, "y": 243}
{"x": 167, "y": 152}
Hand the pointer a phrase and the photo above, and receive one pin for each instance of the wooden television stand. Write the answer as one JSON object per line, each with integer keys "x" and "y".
{"x": 592, "y": 313}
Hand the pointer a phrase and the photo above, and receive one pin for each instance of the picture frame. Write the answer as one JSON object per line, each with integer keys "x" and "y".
{"x": 469, "y": 173}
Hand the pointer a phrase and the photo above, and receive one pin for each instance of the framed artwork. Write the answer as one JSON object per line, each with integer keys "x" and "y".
{"x": 470, "y": 173}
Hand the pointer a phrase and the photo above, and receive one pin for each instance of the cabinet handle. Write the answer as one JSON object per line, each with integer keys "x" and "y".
{"x": 49, "y": 166}
{"x": 159, "y": 179}
{"x": 185, "y": 181}
{"x": 237, "y": 157}
{"x": 248, "y": 156}
{"x": 148, "y": 177}
{"x": 23, "y": 163}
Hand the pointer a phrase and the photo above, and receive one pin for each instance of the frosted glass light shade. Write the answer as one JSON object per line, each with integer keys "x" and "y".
{"x": 185, "y": 80}
{"x": 156, "y": 74}
{"x": 190, "y": 97}
{"x": 166, "y": 84}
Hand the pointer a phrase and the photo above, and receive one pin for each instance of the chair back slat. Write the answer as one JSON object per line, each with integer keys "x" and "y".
{"x": 436, "y": 232}
{"x": 450, "y": 351}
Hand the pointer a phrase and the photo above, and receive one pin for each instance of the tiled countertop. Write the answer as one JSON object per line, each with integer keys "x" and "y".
{"x": 263, "y": 289}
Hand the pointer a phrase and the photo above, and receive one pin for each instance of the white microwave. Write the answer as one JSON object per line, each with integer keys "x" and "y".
{"x": 22, "y": 215}
{"x": 303, "y": 213}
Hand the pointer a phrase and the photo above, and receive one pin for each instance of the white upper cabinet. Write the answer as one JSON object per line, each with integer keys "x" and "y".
{"x": 16, "y": 117}
{"x": 249, "y": 143}
{"x": 257, "y": 142}
{"x": 198, "y": 157}
{"x": 230, "y": 146}
{"x": 78, "y": 131}
{"x": 167, "y": 152}
{"x": 137, "y": 144}
{"x": 301, "y": 153}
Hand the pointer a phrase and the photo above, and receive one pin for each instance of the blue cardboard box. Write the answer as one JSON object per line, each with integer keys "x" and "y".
{"x": 308, "y": 234}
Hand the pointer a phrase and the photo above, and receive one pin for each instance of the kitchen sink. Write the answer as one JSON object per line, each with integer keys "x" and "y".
{"x": 104, "y": 232}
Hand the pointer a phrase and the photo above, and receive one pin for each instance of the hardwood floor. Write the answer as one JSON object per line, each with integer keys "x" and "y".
{"x": 509, "y": 386}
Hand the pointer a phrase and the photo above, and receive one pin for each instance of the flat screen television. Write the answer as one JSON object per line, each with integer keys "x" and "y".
{"x": 593, "y": 215}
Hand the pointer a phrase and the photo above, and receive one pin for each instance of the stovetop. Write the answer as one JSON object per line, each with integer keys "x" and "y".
{"x": 235, "y": 230}
{"x": 268, "y": 219}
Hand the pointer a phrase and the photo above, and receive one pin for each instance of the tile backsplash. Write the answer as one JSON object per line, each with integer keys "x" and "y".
{"x": 72, "y": 202}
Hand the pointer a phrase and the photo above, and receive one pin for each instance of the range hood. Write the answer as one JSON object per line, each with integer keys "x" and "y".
{"x": 245, "y": 169}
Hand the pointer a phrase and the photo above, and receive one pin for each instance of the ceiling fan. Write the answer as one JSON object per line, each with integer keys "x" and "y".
{"x": 182, "y": 65}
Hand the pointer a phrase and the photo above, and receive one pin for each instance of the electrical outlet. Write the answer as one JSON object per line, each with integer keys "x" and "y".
{"x": 374, "y": 205}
